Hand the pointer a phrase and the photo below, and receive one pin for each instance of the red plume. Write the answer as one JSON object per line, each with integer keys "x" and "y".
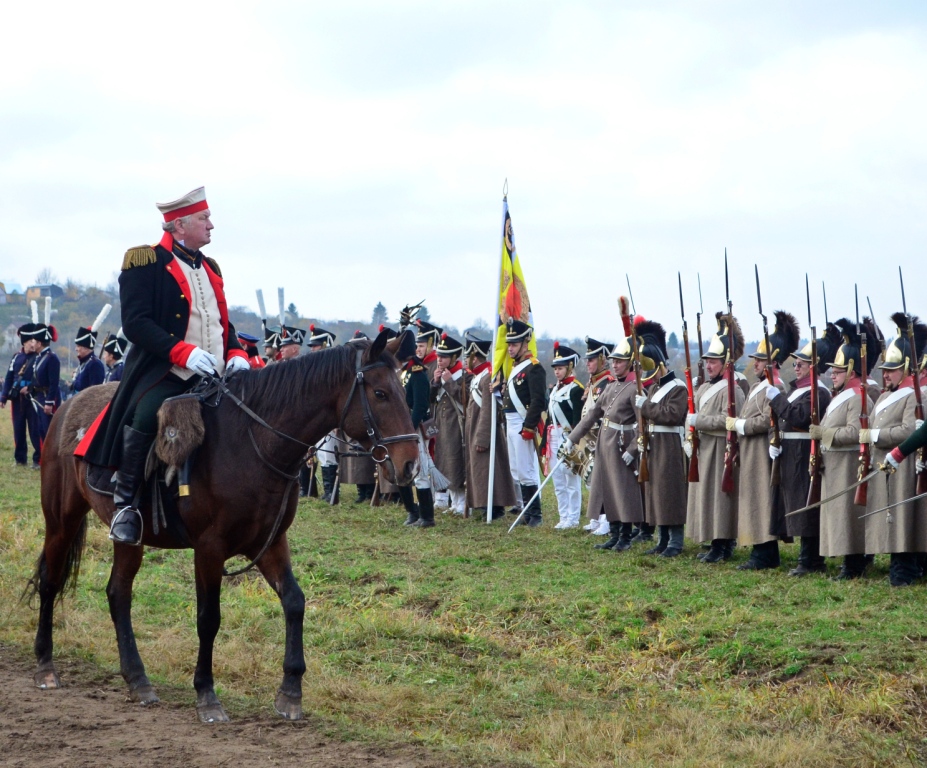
{"x": 556, "y": 345}
{"x": 638, "y": 319}
{"x": 54, "y": 332}
{"x": 312, "y": 326}
{"x": 624, "y": 307}
{"x": 443, "y": 336}
{"x": 381, "y": 328}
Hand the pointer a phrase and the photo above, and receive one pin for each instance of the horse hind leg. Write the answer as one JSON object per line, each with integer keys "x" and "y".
{"x": 126, "y": 562}
{"x": 275, "y": 567}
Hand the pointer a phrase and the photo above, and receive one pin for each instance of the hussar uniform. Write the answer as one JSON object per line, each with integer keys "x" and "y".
{"x": 564, "y": 408}
{"x": 794, "y": 412}
{"x": 447, "y": 402}
{"x": 843, "y": 533}
{"x": 711, "y": 513}
{"x": 754, "y": 427}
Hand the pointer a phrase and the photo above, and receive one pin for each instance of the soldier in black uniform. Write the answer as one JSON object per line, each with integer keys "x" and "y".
{"x": 418, "y": 397}
{"x": 523, "y": 399}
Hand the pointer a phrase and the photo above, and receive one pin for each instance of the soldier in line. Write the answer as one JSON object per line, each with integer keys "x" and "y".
{"x": 712, "y": 513}
{"x": 90, "y": 369}
{"x": 448, "y": 384}
{"x": 754, "y": 428}
{"x": 614, "y": 490}
{"x": 271, "y": 344}
{"x": 842, "y": 530}
{"x": 249, "y": 344}
{"x": 523, "y": 399}
{"x": 564, "y": 408}
{"x": 664, "y": 407}
{"x": 46, "y": 377}
{"x": 16, "y": 390}
{"x": 479, "y": 430}
{"x": 114, "y": 349}
{"x": 600, "y": 376}
{"x": 902, "y": 531}
{"x": 794, "y": 412}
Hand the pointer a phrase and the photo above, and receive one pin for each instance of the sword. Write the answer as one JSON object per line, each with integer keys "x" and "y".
{"x": 896, "y": 504}
{"x": 844, "y": 492}
{"x": 536, "y": 494}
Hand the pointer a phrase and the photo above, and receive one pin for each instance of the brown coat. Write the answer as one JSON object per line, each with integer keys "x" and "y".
{"x": 908, "y": 530}
{"x": 446, "y": 405}
{"x": 842, "y": 531}
{"x": 479, "y": 427}
{"x": 712, "y": 514}
{"x": 753, "y": 502}
{"x": 614, "y": 490}
{"x": 665, "y": 493}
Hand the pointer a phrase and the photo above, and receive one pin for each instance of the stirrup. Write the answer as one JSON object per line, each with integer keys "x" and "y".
{"x": 122, "y": 516}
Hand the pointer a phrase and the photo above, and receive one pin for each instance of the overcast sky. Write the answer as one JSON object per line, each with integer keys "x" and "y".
{"x": 355, "y": 152}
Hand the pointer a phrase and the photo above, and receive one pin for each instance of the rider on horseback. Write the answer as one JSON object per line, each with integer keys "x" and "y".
{"x": 175, "y": 314}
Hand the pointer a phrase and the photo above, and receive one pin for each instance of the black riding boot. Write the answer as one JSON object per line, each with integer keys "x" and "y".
{"x": 809, "y": 559}
{"x": 762, "y": 557}
{"x": 853, "y": 567}
{"x": 426, "y": 508}
{"x": 614, "y": 533}
{"x": 328, "y": 482}
{"x": 718, "y": 551}
{"x": 532, "y": 516}
{"x": 408, "y": 501}
{"x": 364, "y": 492}
{"x": 903, "y": 569}
{"x": 675, "y": 542}
{"x": 662, "y": 543}
{"x": 126, "y": 527}
{"x": 624, "y": 537}
{"x": 304, "y": 474}
{"x": 643, "y": 533}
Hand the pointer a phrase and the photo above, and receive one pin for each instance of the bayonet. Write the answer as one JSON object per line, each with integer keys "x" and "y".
{"x": 631, "y": 296}
{"x": 727, "y": 289}
{"x": 824, "y": 291}
{"x": 698, "y": 330}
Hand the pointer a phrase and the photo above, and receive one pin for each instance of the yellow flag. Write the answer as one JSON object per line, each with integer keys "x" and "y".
{"x": 513, "y": 297}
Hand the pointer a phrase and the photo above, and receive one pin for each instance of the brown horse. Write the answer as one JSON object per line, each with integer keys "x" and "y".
{"x": 240, "y": 503}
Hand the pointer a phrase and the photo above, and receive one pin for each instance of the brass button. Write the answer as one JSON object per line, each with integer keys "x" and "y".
{"x": 182, "y": 296}
{"x": 177, "y": 316}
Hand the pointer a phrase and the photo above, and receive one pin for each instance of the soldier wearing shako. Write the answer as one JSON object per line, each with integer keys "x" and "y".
{"x": 794, "y": 412}
{"x": 842, "y": 531}
{"x": 425, "y": 342}
{"x": 753, "y": 427}
{"x": 479, "y": 431}
{"x": 664, "y": 406}
{"x": 613, "y": 489}
{"x": 711, "y": 513}
{"x": 271, "y": 343}
{"x": 175, "y": 314}
{"x": 46, "y": 374}
{"x": 114, "y": 349}
{"x": 90, "y": 369}
{"x": 564, "y": 408}
{"x": 600, "y": 376}
{"x": 523, "y": 399}
{"x": 448, "y": 384}
{"x": 17, "y": 387}
{"x": 902, "y": 532}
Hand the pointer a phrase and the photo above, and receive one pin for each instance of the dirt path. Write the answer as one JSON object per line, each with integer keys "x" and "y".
{"x": 90, "y": 723}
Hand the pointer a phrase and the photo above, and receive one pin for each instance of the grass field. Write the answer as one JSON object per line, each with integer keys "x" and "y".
{"x": 521, "y": 649}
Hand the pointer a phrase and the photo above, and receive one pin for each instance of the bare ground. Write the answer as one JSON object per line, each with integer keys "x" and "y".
{"x": 90, "y": 722}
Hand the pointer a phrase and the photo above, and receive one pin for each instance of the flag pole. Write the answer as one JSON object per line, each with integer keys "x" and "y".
{"x": 492, "y": 376}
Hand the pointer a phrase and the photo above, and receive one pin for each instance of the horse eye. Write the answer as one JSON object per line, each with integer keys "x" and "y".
{"x": 379, "y": 394}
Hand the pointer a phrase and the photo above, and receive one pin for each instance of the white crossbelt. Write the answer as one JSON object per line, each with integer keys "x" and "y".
{"x": 618, "y": 427}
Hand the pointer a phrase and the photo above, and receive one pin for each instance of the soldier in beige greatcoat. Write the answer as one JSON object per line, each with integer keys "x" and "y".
{"x": 448, "y": 385}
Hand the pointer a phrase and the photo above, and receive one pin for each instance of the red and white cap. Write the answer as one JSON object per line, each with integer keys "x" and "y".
{"x": 192, "y": 202}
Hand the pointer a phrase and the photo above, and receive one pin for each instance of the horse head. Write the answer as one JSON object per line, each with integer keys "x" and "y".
{"x": 375, "y": 413}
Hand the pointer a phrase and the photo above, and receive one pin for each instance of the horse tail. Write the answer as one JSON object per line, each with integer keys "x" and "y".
{"x": 71, "y": 567}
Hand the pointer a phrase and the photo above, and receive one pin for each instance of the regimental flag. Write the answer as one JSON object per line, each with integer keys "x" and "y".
{"x": 513, "y": 297}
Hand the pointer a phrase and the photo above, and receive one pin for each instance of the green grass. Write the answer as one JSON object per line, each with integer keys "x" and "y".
{"x": 529, "y": 648}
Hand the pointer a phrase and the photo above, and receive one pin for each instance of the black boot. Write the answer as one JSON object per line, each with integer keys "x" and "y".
{"x": 614, "y": 531}
{"x": 718, "y": 551}
{"x": 643, "y": 533}
{"x": 762, "y": 557}
{"x": 364, "y": 492}
{"x": 532, "y": 516}
{"x": 426, "y": 508}
{"x": 408, "y": 501}
{"x": 853, "y": 567}
{"x": 624, "y": 537}
{"x": 304, "y": 474}
{"x": 126, "y": 527}
{"x": 904, "y": 568}
{"x": 497, "y": 512}
{"x": 675, "y": 541}
{"x": 328, "y": 482}
{"x": 809, "y": 560}
{"x": 661, "y": 543}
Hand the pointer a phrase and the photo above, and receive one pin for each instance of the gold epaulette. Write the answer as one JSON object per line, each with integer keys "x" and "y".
{"x": 579, "y": 384}
{"x": 535, "y": 361}
{"x": 213, "y": 265}
{"x": 140, "y": 256}
{"x": 418, "y": 368}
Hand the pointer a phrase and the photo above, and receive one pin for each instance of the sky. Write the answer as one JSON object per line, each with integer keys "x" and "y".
{"x": 356, "y": 152}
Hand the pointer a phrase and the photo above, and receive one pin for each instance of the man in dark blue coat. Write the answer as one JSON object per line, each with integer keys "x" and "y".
{"x": 90, "y": 369}
{"x": 46, "y": 393}
{"x": 16, "y": 390}
{"x": 114, "y": 349}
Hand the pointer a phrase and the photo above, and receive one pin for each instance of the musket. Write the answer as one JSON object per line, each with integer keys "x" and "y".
{"x": 698, "y": 331}
{"x": 824, "y": 292}
{"x": 776, "y": 440}
{"x": 814, "y": 462}
{"x": 916, "y": 384}
{"x": 643, "y": 472}
{"x": 630, "y": 296}
{"x": 865, "y": 452}
{"x": 693, "y": 435}
{"x": 731, "y": 457}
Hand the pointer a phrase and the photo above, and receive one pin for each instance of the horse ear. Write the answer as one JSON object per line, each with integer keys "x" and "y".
{"x": 376, "y": 349}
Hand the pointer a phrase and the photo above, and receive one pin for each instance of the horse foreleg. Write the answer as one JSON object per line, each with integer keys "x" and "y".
{"x": 126, "y": 562}
{"x": 208, "y": 618}
{"x": 275, "y": 566}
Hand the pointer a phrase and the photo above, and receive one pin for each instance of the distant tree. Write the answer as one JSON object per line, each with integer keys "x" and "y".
{"x": 73, "y": 290}
{"x": 292, "y": 309}
{"x": 379, "y": 315}
{"x": 672, "y": 342}
{"x": 45, "y": 277}
{"x": 481, "y": 328}
{"x": 424, "y": 315}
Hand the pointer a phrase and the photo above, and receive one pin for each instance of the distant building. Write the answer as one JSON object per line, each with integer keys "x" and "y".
{"x": 36, "y": 292}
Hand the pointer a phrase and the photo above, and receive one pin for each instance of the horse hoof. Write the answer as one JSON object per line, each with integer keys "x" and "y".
{"x": 288, "y": 707}
{"x": 144, "y": 695}
{"x": 212, "y": 713}
{"x": 46, "y": 679}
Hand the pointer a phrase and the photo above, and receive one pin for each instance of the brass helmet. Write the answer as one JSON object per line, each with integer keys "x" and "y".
{"x": 849, "y": 354}
{"x": 898, "y": 351}
{"x": 718, "y": 347}
{"x": 651, "y": 341}
{"x": 828, "y": 344}
{"x": 783, "y": 339}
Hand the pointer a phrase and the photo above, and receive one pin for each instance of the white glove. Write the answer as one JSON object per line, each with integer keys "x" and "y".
{"x": 201, "y": 362}
{"x": 627, "y": 458}
{"x": 687, "y": 447}
{"x": 918, "y": 423}
{"x": 237, "y": 364}
{"x": 772, "y": 392}
{"x": 891, "y": 460}
{"x": 774, "y": 452}
{"x": 740, "y": 425}
{"x": 920, "y": 465}
{"x": 640, "y": 400}
{"x": 690, "y": 420}
{"x": 566, "y": 447}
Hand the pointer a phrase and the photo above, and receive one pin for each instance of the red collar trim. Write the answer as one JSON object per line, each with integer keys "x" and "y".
{"x": 455, "y": 367}
{"x": 568, "y": 380}
{"x": 481, "y": 367}
{"x": 431, "y": 357}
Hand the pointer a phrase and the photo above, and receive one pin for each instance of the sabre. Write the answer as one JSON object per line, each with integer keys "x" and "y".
{"x": 774, "y": 417}
{"x": 693, "y": 435}
{"x": 895, "y": 504}
{"x": 537, "y": 493}
{"x": 263, "y": 311}
{"x": 837, "y": 495}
